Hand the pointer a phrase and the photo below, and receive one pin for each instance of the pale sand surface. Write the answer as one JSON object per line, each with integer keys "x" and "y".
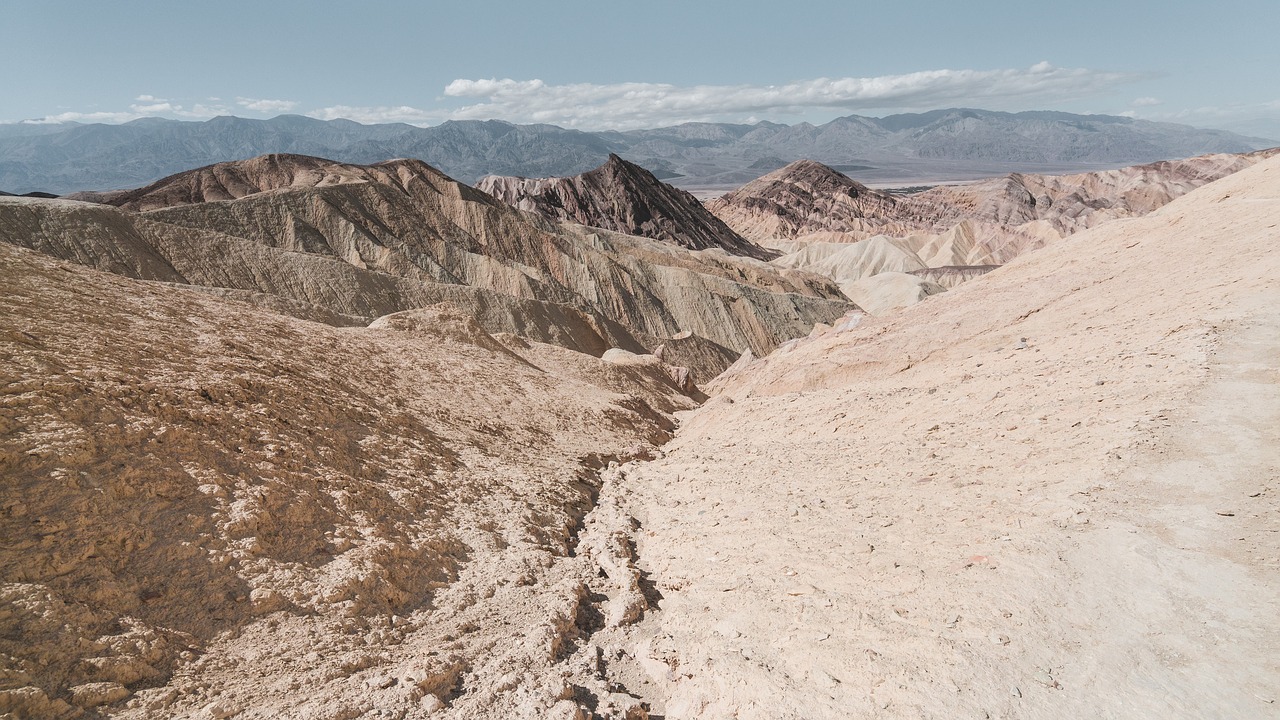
{"x": 920, "y": 517}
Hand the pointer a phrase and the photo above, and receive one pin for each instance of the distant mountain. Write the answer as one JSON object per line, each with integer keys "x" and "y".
{"x": 626, "y": 198}
{"x": 956, "y": 142}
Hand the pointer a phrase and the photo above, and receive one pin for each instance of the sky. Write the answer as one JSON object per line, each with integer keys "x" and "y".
{"x": 617, "y": 65}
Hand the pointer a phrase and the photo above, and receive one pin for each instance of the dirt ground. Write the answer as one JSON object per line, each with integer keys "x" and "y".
{"x": 1049, "y": 493}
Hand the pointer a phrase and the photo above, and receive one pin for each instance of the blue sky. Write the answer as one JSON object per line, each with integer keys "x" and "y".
{"x": 602, "y": 64}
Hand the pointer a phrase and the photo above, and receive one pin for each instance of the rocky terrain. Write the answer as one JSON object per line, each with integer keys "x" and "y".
{"x": 626, "y": 198}
{"x": 950, "y": 144}
{"x": 1048, "y": 493}
{"x": 213, "y": 510}
{"x": 296, "y": 438}
{"x": 349, "y": 243}
{"x": 829, "y": 224}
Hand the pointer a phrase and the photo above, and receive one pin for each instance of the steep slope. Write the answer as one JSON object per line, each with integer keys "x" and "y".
{"x": 362, "y": 241}
{"x": 846, "y": 262}
{"x": 212, "y": 510}
{"x": 625, "y": 198}
{"x": 1043, "y": 494}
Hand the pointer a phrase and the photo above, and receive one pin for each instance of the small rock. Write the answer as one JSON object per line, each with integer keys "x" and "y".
{"x": 1226, "y": 513}
{"x": 220, "y": 709}
{"x": 999, "y": 639}
{"x": 1045, "y": 679}
{"x": 824, "y": 679}
{"x": 430, "y": 703}
{"x": 1022, "y": 344}
{"x": 98, "y": 693}
{"x": 1014, "y": 691}
{"x": 566, "y": 710}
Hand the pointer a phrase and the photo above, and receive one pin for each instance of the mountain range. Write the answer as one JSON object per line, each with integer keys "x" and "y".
{"x": 942, "y": 144}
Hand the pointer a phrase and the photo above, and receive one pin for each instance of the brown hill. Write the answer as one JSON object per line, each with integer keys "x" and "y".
{"x": 807, "y": 197}
{"x": 623, "y": 197}
{"x": 211, "y": 509}
{"x": 801, "y": 198}
{"x": 1043, "y": 494}
{"x": 821, "y": 219}
{"x": 231, "y": 180}
{"x": 363, "y": 241}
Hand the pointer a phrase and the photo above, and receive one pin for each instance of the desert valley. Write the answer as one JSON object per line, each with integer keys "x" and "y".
{"x": 291, "y": 437}
{"x": 662, "y": 361}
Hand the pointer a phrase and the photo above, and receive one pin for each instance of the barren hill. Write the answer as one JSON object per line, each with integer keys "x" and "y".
{"x": 212, "y": 510}
{"x": 801, "y": 198}
{"x": 807, "y": 197}
{"x": 625, "y": 198}
{"x": 363, "y": 442}
{"x": 363, "y": 241}
{"x": 825, "y": 222}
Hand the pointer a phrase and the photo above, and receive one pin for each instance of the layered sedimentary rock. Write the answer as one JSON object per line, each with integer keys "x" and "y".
{"x": 211, "y": 509}
{"x": 802, "y": 198}
{"x": 808, "y": 211}
{"x": 625, "y": 198}
{"x": 806, "y": 197}
{"x": 359, "y": 242}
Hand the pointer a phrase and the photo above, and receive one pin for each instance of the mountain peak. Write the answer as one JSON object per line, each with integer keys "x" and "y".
{"x": 782, "y": 203}
{"x": 623, "y": 197}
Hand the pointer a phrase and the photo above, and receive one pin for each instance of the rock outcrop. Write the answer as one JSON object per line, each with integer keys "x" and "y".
{"x": 623, "y": 197}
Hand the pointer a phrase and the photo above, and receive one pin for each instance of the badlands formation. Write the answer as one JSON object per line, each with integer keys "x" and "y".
{"x": 829, "y": 224}
{"x": 294, "y": 438}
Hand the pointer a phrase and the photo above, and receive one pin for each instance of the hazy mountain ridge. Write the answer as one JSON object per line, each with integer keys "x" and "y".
{"x": 106, "y": 157}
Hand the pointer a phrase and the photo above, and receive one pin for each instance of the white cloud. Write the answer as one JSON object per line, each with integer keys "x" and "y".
{"x": 630, "y": 105}
{"x": 637, "y": 104}
{"x": 266, "y": 106}
{"x": 154, "y": 108}
{"x": 381, "y": 114}
{"x": 1255, "y": 119}
{"x": 84, "y": 117}
{"x": 1147, "y": 102}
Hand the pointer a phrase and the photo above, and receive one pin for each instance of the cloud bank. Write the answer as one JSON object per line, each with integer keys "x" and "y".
{"x": 629, "y": 105}
{"x": 637, "y": 104}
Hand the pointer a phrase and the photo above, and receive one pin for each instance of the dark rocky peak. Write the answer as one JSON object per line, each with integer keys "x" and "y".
{"x": 623, "y": 197}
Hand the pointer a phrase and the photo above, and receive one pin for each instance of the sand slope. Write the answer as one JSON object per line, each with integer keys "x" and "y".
{"x": 1051, "y": 492}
